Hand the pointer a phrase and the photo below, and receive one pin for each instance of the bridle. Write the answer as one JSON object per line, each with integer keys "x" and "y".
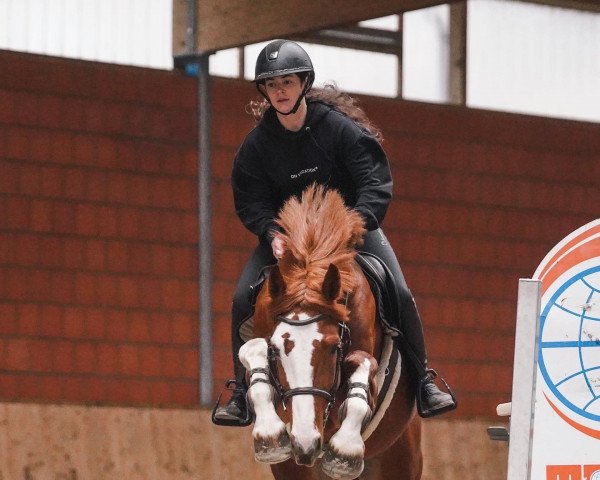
{"x": 273, "y": 372}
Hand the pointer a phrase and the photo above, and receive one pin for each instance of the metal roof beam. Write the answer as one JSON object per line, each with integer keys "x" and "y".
{"x": 356, "y": 37}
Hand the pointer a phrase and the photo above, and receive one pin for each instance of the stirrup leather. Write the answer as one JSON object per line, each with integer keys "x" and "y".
{"x": 242, "y": 422}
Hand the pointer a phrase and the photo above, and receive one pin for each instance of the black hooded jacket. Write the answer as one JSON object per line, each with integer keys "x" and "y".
{"x": 273, "y": 164}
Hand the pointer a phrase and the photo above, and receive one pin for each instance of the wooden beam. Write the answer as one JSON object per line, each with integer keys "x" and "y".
{"x": 180, "y": 23}
{"x": 457, "y": 75}
{"x": 224, "y": 24}
{"x": 400, "y": 54}
{"x": 585, "y": 5}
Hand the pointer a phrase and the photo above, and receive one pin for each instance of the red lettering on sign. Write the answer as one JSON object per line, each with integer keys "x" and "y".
{"x": 563, "y": 472}
{"x": 572, "y": 472}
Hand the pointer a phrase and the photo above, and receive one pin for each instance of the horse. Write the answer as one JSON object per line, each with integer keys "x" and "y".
{"x": 312, "y": 364}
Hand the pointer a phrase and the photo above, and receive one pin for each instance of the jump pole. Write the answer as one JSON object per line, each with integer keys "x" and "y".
{"x": 524, "y": 379}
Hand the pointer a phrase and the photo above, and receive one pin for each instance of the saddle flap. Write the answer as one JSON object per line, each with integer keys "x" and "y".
{"x": 383, "y": 287}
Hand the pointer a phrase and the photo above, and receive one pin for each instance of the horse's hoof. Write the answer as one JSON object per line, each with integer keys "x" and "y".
{"x": 273, "y": 450}
{"x": 341, "y": 467}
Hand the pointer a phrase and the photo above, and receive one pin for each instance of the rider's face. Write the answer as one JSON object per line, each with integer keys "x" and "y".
{"x": 283, "y": 92}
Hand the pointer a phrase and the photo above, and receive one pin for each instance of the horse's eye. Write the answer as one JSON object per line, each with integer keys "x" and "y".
{"x": 334, "y": 349}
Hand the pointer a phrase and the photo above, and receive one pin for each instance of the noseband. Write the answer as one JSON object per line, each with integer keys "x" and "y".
{"x": 329, "y": 395}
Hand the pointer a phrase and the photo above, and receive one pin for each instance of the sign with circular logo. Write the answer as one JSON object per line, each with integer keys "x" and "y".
{"x": 567, "y": 397}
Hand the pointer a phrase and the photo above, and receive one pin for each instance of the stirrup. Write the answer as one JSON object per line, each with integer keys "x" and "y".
{"x": 242, "y": 422}
{"x": 430, "y": 376}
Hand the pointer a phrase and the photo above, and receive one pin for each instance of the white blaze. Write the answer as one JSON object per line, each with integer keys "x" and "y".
{"x": 299, "y": 373}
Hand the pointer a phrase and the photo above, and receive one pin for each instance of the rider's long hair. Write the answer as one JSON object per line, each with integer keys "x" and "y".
{"x": 331, "y": 95}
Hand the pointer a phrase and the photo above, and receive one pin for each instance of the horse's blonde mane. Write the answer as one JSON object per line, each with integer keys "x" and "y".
{"x": 318, "y": 230}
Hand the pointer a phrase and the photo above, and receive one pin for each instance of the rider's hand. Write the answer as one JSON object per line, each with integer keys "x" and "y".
{"x": 278, "y": 246}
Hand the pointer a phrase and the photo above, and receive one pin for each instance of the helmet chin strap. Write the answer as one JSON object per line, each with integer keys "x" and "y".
{"x": 296, "y": 105}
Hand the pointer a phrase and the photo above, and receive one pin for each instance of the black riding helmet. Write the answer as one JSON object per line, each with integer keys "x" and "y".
{"x": 284, "y": 57}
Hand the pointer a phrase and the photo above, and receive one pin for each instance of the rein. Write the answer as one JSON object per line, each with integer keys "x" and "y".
{"x": 329, "y": 395}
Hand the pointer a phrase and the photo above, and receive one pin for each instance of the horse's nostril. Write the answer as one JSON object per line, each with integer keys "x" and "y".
{"x": 307, "y": 460}
{"x": 317, "y": 445}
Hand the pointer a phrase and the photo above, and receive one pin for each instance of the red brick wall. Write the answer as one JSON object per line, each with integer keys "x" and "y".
{"x": 98, "y": 233}
{"x": 98, "y": 229}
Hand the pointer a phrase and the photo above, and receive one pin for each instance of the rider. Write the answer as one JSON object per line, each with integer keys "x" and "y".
{"x": 301, "y": 139}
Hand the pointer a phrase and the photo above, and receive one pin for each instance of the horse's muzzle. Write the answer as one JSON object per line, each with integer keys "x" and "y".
{"x": 306, "y": 456}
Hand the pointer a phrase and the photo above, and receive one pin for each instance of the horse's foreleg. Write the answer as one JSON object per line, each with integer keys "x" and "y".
{"x": 344, "y": 456}
{"x": 271, "y": 441}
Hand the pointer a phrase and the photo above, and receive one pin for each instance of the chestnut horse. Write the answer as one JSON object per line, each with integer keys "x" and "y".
{"x": 312, "y": 362}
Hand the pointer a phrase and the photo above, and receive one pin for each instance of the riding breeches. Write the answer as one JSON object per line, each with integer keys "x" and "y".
{"x": 375, "y": 243}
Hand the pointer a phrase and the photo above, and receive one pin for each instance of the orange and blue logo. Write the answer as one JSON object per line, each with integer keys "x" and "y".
{"x": 569, "y": 335}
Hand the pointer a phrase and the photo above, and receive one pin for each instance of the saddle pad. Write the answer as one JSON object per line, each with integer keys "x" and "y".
{"x": 388, "y": 375}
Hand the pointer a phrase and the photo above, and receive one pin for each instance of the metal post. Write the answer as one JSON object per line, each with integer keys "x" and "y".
{"x": 524, "y": 376}
{"x": 190, "y": 32}
{"x": 204, "y": 234}
{"x": 201, "y": 61}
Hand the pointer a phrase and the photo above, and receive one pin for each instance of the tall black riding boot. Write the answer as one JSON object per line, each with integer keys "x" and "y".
{"x": 235, "y": 412}
{"x": 430, "y": 399}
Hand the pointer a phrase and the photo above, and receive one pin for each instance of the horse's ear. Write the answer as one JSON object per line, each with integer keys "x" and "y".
{"x": 276, "y": 282}
{"x": 332, "y": 283}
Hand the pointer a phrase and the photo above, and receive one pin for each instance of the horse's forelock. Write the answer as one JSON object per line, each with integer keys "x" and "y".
{"x": 318, "y": 230}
